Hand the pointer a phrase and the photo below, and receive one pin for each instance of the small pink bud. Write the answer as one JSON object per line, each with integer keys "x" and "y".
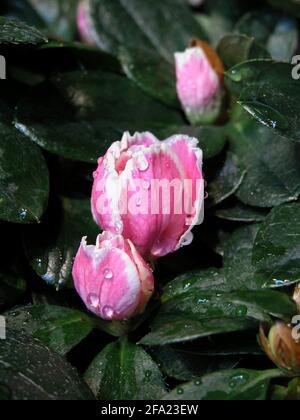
{"x": 112, "y": 278}
{"x": 83, "y": 24}
{"x": 199, "y": 73}
{"x": 151, "y": 192}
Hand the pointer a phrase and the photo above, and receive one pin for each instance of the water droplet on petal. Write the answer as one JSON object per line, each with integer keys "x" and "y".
{"x": 188, "y": 239}
{"x": 108, "y": 312}
{"x": 93, "y": 300}
{"x": 119, "y": 226}
{"x": 108, "y": 274}
{"x": 142, "y": 163}
{"x": 146, "y": 185}
{"x": 139, "y": 202}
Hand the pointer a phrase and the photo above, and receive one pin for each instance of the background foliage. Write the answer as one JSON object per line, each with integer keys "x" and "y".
{"x": 62, "y": 105}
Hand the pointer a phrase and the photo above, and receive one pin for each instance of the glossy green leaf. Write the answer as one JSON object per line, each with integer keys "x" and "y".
{"x": 226, "y": 181}
{"x": 147, "y": 43}
{"x": 239, "y": 212}
{"x": 184, "y": 365}
{"x": 151, "y": 73}
{"x": 16, "y": 32}
{"x": 268, "y": 91}
{"x": 234, "y": 49}
{"x": 86, "y": 111}
{"x": 174, "y": 328}
{"x": 23, "y": 191}
{"x": 61, "y": 329}
{"x": 278, "y": 33}
{"x": 232, "y": 385}
{"x": 276, "y": 250}
{"x": 30, "y": 371}
{"x": 272, "y": 163}
{"x": 52, "y": 246}
{"x": 124, "y": 371}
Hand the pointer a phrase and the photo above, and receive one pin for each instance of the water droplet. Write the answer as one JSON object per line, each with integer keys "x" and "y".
{"x": 180, "y": 391}
{"x": 197, "y": 383}
{"x": 142, "y": 163}
{"x": 148, "y": 374}
{"x": 93, "y": 300}
{"x": 23, "y": 214}
{"x": 188, "y": 239}
{"x": 146, "y": 185}
{"x": 108, "y": 274}
{"x": 119, "y": 226}
{"x": 280, "y": 282}
{"x": 186, "y": 285}
{"x": 139, "y": 202}
{"x": 237, "y": 381}
{"x": 241, "y": 311}
{"x": 108, "y": 312}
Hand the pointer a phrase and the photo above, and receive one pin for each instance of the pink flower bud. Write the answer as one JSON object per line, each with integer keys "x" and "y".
{"x": 83, "y": 24}
{"x": 112, "y": 278}
{"x": 151, "y": 192}
{"x": 199, "y": 73}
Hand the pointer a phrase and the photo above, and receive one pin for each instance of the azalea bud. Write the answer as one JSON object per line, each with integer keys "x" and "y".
{"x": 199, "y": 72}
{"x": 83, "y": 23}
{"x": 112, "y": 278}
{"x": 151, "y": 192}
{"x": 296, "y": 296}
{"x": 281, "y": 347}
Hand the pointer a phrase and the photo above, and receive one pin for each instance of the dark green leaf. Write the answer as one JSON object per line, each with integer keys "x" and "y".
{"x": 269, "y": 93}
{"x": 59, "y": 328}
{"x": 272, "y": 163}
{"x": 239, "y": 212}
{"x": 234, "y": 49}
{"x": 24, "y": 183}
{"x": 16, "y": 32}
{"x": 226, "y": 181}
{"x": 52, "y": 246}
{"x": 232, "y": 385}
{"x": 124, "y": 371}
{"x": 30, "y": 371}
{"x": 148, "y": 40}
{"x": 180, "y": 328}
{"x": 279, "y": 34}
{"x": 151, "y": 73}
{"x": 185, "y": 366}
{"x": 276, "y": 253}
{"x": 85, "y": 112}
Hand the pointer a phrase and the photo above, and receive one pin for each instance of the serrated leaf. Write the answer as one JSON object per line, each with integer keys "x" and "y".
{"x": 124, "y": 371}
